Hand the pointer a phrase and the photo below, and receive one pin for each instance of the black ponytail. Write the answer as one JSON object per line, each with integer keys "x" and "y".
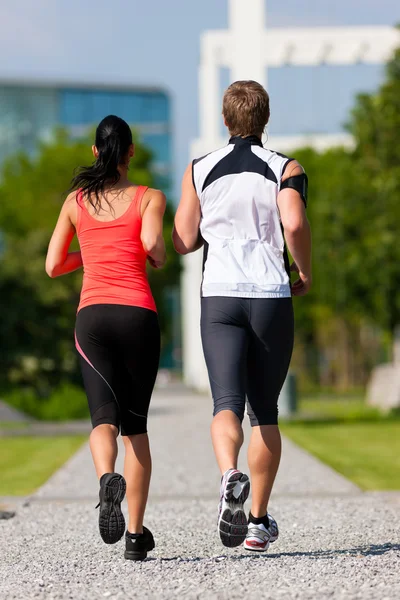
{"x": 113, "y": 139}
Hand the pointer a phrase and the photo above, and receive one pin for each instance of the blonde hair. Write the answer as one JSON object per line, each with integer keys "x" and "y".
{"x": 246, "y": 108}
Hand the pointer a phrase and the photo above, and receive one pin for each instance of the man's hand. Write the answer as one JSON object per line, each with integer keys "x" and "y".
{"x": 302, "y": 286}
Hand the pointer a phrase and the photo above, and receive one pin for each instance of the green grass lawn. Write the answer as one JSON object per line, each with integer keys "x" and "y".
{"x": 354, "y": 439}
{"x": 27, "y": 462}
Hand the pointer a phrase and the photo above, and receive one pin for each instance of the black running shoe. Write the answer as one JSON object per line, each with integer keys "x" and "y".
{"x": 138, "y": 544}
{"x": 111, "y": 519}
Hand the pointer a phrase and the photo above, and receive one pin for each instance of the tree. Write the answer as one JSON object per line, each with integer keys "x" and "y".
{"x": 354, "y": 211}
{"x": 375, "y": 124}
{"x": 329, "y": 320}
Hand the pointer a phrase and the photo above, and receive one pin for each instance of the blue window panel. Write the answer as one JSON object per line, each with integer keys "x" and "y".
{"x": 130, "y": 107}
{"x": 156, "y": 108}
{"x": 133, "y": 107}
{"x": 100, "y": 105}
{"x": 75, "y": 107}
{"x": 27, "y": 115}
{"x": 84, "y": 107}
{"x": 160, "y": 146}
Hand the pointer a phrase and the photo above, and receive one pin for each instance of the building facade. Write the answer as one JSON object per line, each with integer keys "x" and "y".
{"x": 30, "y": 112}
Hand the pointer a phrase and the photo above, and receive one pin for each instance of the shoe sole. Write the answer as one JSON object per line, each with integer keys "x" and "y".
{"x": 135, "y": 555}
{"x": 111, "y": 518}
{"x": 259, "y": 550}
{"x": 232, "y": 524}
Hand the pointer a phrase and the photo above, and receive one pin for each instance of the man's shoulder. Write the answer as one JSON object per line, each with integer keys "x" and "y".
{"x": 214, "y": 154}
{"x": 284, "y": 156}
{"x": 273, "y": 154}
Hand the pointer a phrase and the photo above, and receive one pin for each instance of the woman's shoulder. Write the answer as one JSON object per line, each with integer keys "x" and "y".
{"x": 153, "y": 198}
{"x": 72, "y": 198}
{"x": 71, "y": 204}
{"x": 155, "y": 195}
{"x": 155, "y": 192}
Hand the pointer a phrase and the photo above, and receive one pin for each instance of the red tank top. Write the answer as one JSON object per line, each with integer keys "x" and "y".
{"x": 114, "y": 261}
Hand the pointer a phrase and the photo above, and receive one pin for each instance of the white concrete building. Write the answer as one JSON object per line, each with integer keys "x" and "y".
{"x": 247, "y": 48}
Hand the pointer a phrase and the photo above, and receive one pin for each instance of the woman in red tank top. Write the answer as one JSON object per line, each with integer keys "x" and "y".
{"x": 119, "y": 228}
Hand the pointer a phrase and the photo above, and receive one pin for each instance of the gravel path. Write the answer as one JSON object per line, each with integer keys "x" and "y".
{"x": 336, "y": 542}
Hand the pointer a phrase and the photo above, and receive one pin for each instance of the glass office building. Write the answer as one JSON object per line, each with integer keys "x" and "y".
{"x": 29, "y": 113}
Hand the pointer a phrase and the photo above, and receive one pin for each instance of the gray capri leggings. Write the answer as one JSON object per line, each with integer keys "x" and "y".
{"x": 247, "y": 345}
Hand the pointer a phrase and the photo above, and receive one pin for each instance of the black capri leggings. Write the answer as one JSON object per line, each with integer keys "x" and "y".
{"x": 119, "y": 349}
{"x": 247, "y": 345}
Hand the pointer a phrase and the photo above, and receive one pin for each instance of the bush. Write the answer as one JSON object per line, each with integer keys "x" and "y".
{"x": 67, "y": 402}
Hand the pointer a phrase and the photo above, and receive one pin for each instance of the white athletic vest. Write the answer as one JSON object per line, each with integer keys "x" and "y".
{"x": 244, "y": 253}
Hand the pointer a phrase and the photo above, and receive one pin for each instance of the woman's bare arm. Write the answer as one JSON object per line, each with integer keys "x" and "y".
{"x": 152, "y": 228}
{"x": 58, "y": 260}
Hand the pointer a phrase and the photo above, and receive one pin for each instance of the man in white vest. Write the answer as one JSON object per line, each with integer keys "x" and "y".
{"x": 241, "y": 203}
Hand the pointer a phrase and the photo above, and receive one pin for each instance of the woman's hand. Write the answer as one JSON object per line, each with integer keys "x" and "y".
{"x": 156, "y": 264}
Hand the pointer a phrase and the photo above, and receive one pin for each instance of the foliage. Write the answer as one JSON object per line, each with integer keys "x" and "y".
{"x": 36, "y": 332}
{"x": 375, "y": 125}
{"x": 347, "y": 322}
{"x": 337, "y": 342}
{"x": 65, "y": 402}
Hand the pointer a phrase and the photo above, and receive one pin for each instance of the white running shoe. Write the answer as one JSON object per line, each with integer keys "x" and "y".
{"x": 259, "y": 537}
{"x": 232, "y": 521}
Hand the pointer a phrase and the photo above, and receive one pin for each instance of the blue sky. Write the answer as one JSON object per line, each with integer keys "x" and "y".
{"x": 156, "y": 42}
